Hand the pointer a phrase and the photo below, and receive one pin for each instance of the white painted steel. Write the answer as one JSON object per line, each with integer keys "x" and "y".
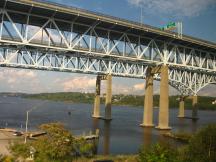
{"x": 48, "y": 47}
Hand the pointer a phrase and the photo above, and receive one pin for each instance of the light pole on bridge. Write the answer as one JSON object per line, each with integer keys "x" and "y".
{"x": 141, "y": 15}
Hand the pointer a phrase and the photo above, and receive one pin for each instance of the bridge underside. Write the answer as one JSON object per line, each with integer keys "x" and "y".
{"x": 27, "y": 23}
{"x": 36, "y": 13}
{"x": 186, "y": 82}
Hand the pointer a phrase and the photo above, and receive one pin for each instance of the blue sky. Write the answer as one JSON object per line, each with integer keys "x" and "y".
{"x": 198, "y": 17}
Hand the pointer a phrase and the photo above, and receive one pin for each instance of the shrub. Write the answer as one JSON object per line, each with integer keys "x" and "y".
{"x": 6, "y": 159}
{"x": 19, "y": 149}
{"x": 158, "y": 153}
{"x": 202, "y": 146}
{"x": 58, "y": 145}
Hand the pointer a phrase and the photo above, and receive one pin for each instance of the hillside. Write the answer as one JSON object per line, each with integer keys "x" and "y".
{"x": 204, "y": 103}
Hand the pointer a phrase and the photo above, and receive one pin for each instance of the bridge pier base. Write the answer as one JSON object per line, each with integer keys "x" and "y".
{"x": 181, "y": 107}
{"x": 148, "y": 102}
{"x": 108, "y": 98}
{"x": 164, "y": 99}
{"x": 194, "y": 107}
{"x": 96, "y": 111}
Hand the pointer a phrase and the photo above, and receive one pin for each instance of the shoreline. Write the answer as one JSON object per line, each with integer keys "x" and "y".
{"x": 5, "y": 139}
{"x": 136, "y": 101}
{"x": 126, "y": 105}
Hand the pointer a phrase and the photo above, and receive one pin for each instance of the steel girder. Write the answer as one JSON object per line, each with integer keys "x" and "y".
{"x": 69, "y": 62}
{"x": 188, "y": 82}
{"x": 89, "y": 49}
{"x": 99, "y": 41}
{"x": 185, "y": 81}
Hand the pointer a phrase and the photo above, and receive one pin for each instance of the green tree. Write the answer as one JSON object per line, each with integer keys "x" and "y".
{"x": 58, "y": 145}
{"x": 202, "y": 146}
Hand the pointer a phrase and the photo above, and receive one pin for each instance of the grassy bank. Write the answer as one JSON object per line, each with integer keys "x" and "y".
{"x": 204, "y": 103}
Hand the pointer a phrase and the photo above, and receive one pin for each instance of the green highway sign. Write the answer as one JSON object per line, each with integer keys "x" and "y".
{"x": 169, "y": 26}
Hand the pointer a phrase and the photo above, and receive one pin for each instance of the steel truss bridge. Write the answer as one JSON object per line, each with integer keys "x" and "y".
{"x": 47, "y": 36}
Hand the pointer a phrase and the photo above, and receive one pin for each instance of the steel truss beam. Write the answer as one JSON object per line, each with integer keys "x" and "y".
{"x": 189, "y": 82}
{"x": 186, "y": 82}
{"x": 69, "y": 62}
{"x": 45, "y": 32}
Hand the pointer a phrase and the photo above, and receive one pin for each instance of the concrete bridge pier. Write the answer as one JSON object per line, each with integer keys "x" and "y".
{"x": 108, "y": 102}
{"x": 194, "y": 107}
{"x": 96, "y": 111}
{"x": 148, "y": 102}
{"x": 164, "y": 99}
{"x": 181, "y": 107}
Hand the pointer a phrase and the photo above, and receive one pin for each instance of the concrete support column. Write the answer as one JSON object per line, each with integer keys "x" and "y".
{"x": 148, "y": 102}
{"x": 194, "y": 106}
{"x": 164, "y": 99}
{"x": 96, "y": 111}
{"x": 181, "y": 107}
{"x": 108, "y": 98}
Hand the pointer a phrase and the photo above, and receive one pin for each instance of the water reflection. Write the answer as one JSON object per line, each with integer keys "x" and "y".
{"x": 106, "y": 138}
{"x": 185, "y": 125}
{"x": 147, "y": 136}
{"x": 95, "y": 124}
{"x": 161, "y": 138}
{"x": 104, "y": 133}
{"x": 95, "y": 127}
{"x": 182, "y": 124}
{"x": 194, "y": 125}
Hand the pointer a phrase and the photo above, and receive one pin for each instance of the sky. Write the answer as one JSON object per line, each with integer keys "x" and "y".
{"x": 198, "y": 18}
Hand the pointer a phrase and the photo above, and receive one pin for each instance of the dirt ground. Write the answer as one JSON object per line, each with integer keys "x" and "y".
{"x": 5, "y": 139}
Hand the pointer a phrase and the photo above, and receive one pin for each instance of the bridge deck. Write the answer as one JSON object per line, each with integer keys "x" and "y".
{"x": 107, "y": 22}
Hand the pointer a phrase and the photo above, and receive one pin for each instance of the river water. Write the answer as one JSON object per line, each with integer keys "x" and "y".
{"x": 122, "y": 135}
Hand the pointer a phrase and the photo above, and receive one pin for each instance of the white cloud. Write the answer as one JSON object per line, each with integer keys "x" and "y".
{"x": 138, "y": 87}
{"x": 187, "y": 8}
{"x": 16, "y": 80}
{"x": 121, "y": 89}
{"x": 78, "y": 84}
{"x": 208, "y": 90}
{"x": 12, "y": 75}
{"x": 37, "y": 81}
{"x": 87, "y": 84}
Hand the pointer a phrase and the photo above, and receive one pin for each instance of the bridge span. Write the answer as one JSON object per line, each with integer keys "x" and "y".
{"x": 47, "y": 36}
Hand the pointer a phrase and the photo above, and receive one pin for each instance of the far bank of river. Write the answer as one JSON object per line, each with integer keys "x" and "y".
{"x": 204, "y": 103}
